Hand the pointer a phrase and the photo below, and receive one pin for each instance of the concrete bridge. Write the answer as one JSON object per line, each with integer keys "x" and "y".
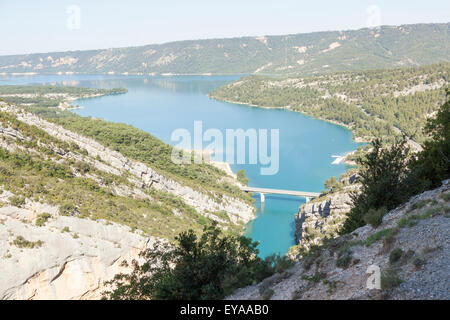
{"x": 264, "y": 191}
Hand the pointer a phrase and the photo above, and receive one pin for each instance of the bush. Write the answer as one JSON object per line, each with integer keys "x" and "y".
{"x": 445, "y": 197}
{"x": 68, "y": 209}
{"x": 279, "y": 264}
{"x": 419, "y": 262}
{"x": 382, "y": 234}
{"x": 267, "y": 294}
{"x": 42, "y": 219}
{"x": 395, "y": 255}
{"x": 390, "y": 279}
{"x": 344, "y": 258}
{"x": 418, "y": 205}
{"x": 384, "y": 182}
{"x": 17, "y": 201}
{"x": 21, "y": 242}
{"x": 375, "y": 217}
{"x": 210, "y": 266}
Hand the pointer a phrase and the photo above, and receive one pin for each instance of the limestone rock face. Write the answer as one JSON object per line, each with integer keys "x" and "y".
{"x": 74, "y": 258}
{"x": 321, "y": 217}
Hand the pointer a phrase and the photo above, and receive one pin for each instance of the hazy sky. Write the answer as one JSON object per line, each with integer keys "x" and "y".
{"x": 50, "y": 25}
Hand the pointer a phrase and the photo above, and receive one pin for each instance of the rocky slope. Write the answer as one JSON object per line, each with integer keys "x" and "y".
{"x": 407, "y": 257}
{"x": 67, "y": 258}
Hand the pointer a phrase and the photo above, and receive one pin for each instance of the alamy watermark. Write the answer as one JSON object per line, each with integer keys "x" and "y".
{"x": 238, "y": 146}
{"x": 73, "y": 21}
{"x": 374, "y": 279}
{"x": 373, "y": 17}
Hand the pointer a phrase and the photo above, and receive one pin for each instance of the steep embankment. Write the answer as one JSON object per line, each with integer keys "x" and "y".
{"x": 411, "y": 249}
{"x": 308, "y": 54}
{"x": 72, "y": 209}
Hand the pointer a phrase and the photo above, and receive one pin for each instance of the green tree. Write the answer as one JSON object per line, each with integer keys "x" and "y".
{"x": 384, "y": 178}
{"x": 332, "y": 184}
{"x": 242, "y": 178}
{"x": 432, "y": 165}
{"x": 207, "y": 267}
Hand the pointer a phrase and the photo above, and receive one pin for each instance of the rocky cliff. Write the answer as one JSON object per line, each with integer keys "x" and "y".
{"x": 67, "y": 258}
{"x": 406, "y": 257}
{"x": 322, "y": 217}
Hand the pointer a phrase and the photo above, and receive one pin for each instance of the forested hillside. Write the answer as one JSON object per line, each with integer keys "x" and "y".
{"x": 379, "y": 103}
{"x": 308, "y": 54}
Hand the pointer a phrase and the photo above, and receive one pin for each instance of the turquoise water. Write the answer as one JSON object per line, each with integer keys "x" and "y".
{"x": 160, "y": 105}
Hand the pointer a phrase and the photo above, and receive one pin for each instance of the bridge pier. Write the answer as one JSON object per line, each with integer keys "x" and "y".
{"x": 263, "y": 197}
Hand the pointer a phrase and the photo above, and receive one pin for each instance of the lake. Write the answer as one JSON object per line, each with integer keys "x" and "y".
{"x": 159, "y": 105}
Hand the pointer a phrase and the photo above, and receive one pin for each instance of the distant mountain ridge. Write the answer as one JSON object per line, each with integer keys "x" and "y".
{"x": 306, "y": 54}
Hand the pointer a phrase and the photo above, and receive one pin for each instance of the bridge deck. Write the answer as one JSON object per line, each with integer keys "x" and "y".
{"x": 279, "y": 191}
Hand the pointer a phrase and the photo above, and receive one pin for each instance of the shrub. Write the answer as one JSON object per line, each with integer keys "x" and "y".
{"x": 345, "y": 260}
{"x": 210, "y": 266}
{"x": 310, "y": 257}
{"x": 382, "y": 234}
{"x": 42, "y": 219}
{"x": 395, "y": 256}
{"x": 68, "y": 209}
{"x": 280, "y": 264}
{"x": 375, "y": 217}
{"x": 21, "y": 242}
{"x": 332, "y": 286}
{"x": 316, "y": 277}
{"x": 445, "y": 197}
{"x": 418, "y": 262}
{"x": 409, "y": 221}
{"x": 267, "y": 294}
{"x": 419, "y": 204}
{"x": 17, "y": 201}
{"x": 390, "y": 279}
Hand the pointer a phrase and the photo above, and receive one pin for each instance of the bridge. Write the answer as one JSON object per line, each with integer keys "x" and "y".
{"x": 264, "y": 191}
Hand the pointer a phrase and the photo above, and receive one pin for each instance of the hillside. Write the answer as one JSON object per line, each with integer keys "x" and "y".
{"x": 411, "y": 248}
{"x": 78, "y": 171}
{"x": 377, "y": 103}
{"x": 78, "y": 196}
{"x": 308, "y": 54}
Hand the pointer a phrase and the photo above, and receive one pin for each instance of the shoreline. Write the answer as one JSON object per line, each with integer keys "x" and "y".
{"x": 150, "y": 74}
{"x": 288, "y": 108}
